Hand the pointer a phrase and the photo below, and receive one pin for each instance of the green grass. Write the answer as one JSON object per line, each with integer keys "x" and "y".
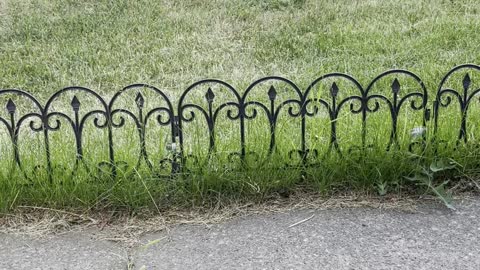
{"x": 106, "y": 45}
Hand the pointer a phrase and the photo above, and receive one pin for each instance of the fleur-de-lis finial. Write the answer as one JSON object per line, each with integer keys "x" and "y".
{"x": 11, "y": 107}
{"x": 395, "y": 86}
{"x": 466, "y": 82}
{"x": 140, "y": 100}
{"x": 334, "y": 90}
{"x": 272, "y": 93}
{"x": 75, "y": 104}
{"x": 210, "y": 95}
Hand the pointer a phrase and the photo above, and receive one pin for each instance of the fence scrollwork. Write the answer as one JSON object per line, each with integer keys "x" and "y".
{"x": 214, "y": 102}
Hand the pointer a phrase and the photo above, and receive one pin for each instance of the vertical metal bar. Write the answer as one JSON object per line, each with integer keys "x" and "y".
{"x": 177, "y": 155}
{"x": 111, "y": 152}
{"x": 47, "y": 146}
{"x": 303, "y": 112}
{"x": 241, "y": 112}
{"x": 272, "y": 121}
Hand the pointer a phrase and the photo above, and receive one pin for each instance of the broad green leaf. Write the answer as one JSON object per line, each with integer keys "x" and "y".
{"x": 443, "y": 195}
{"x": 419, "y": 177}
{"x": 442, "y": 165}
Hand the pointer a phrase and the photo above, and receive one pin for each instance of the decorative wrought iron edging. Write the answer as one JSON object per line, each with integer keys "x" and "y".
{"x": 241, "y": 108}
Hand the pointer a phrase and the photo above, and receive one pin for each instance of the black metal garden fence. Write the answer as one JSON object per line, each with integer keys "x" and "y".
{"x": 207, "y": 101}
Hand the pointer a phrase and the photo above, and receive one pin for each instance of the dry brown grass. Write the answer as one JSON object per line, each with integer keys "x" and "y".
{"x": 127, "y": 229}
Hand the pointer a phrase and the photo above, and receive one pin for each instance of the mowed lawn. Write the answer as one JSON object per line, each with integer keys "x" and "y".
{"x": 46, "y": 45}
{"x": 49, "y": 44}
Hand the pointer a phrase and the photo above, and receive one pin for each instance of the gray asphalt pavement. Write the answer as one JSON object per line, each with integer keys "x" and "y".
{"x": 69, "y": 251}
{"x": 358, "y": 238}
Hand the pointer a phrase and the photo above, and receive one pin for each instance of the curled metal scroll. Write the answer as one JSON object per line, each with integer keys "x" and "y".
{"x": 448, "y": 96}
{"x": 262, "y": 98}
